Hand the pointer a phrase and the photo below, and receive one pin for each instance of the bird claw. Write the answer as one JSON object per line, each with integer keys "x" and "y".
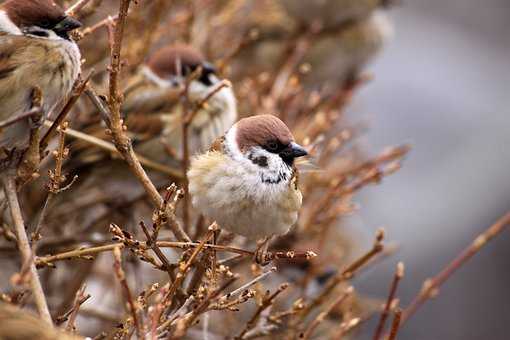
{"x": 261, "y": 256}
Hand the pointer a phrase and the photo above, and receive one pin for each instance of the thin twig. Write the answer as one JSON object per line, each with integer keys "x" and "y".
{"x": 107, "y": 146}
{"x": 72, "y": 10}
{"x": 127, "y": 152}
{"x": 395, "y": 325}
{"x": 24, "y": 246}
{"x": 249, "y": 284}
{"x": 321, "y": 316}
{"x": 12, "y": 120}
{"x": 79, "y": 87}
{"x": 431, "y": 286}
{"x": 346, "y": 274}
{"x": 79, "y": 300}
{"x": 267, "y": 301}
{"x": 121, "y": 276}
{"x": 78, "y": 253}
{"x": 399, "y": 274}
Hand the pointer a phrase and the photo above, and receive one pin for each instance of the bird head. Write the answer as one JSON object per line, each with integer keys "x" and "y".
{"x": 265, "y": 144}
{"x": 170, "y": 66}
{"x": 39, "y": 18}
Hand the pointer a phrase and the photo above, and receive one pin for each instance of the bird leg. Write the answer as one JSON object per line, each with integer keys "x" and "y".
{"x": 261, "y": 253}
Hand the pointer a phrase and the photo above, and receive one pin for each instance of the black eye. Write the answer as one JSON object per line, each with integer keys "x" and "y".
{"x": 272, "y": 146}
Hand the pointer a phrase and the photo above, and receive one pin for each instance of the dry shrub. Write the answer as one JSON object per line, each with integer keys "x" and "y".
{"x": 116, "y": 252}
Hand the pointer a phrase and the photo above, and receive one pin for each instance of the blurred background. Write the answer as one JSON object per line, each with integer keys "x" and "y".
{"x": 443, "y": 85}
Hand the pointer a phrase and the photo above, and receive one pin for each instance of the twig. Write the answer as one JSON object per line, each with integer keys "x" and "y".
{"x": 24, "y": 246}
{"x": 431, "y": 286}
{"x": 127, "y": 152}
{"x": 12, "y": 120}
{"x": 107, "y": 146}
{"x": 184, "y": 267}
{"x": 249, "y": 284}
{"x": 267, "y": 301}
{"x": 399, "y": 274}
{"x": 346, "y": 327}
{"x": 77, "y": 253}
{"x": 121, "y": 276}
{"x": 71, "y": 11}
{"x": 56, "y": 179}
{"x": 395, "y": 325}
{"x": 103, "y": 23}
{"x": 79, "y": 299}
{"x": 347, "y": 273}
{"x": 79, "y": 87}
{"x": 321, "y": 316}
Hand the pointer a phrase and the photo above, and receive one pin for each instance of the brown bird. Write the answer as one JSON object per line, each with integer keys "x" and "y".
{"x": 247, "y": 182}
{"x": 35, "y": 52}
{"x": 16, "y": 324}
{"x": 153, "y": 107}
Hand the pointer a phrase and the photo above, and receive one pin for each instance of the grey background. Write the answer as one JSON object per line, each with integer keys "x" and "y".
{"x": 443, "y": 85}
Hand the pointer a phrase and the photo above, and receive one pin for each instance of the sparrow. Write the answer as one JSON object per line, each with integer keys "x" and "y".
{"x": 330, "y": 13}
{"x": 343, "y": 37}
{"x": 247, "y": 182}
{"x": 22, "y": 325}
{"x": 152, "y": 113}
{"x": 340, "y": 57}
{"x": 152, "y": 108}
{"x": 36, "y": 51}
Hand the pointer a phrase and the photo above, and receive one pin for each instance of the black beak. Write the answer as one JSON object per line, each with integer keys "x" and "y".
{"x": 66, "y": 25}
{"x": 297, "y": 150}
{"x": 208, "y": 67}
{"x": 293, "y": 150}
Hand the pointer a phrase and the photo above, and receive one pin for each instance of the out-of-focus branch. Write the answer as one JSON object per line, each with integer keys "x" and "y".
{"x": 111, "y": 116}
{"x": 107, "y": 146}
{"x": 399, "y": 274}
{"x": 9, "y": 185}
{"x": 431, "y": 286}
{"x": 121, "y": 276}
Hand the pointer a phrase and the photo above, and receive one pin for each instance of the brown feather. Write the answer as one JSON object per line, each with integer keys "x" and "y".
{"x": 261, "y": 129}
{"x": 25, "y": 13}
{"x": 166, "y": 61}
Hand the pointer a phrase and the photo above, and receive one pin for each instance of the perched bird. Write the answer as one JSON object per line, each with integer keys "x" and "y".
{"x": 152, "y": 113}
{"x": 35, "y": 52}
{"x": 17, "y": 324}
{"x": 340, "y": 56}
{"x": 247, "y": 182}
{"x": 153, "y": 104}
{"x": 330, "y": 13}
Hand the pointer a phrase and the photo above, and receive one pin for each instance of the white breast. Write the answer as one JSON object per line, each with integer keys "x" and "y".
{"x": 238, "y": 200}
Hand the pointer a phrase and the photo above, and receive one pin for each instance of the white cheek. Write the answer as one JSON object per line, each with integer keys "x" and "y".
{"x": 147, "y": 72}
{"x": 6, "y": 25}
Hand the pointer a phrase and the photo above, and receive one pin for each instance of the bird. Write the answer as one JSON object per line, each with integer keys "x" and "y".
{"x": 152, "y": 109}
{"x": 152, "y": 113}
{"x": 18, "y": 324}
{"x": 36, "y": 52}
{"x": 330, "y": 13}
{"x": 248, "y": 183}
{"x": 338, "y": 39}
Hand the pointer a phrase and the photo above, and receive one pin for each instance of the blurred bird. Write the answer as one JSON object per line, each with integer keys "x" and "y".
{"x": 152, "y": 112}
{"x": 340, "y": 57}
{"x": 247, "y": 182}
{"x": 330, "y": 13}
{"x": 16, "y": 324}
{"x": 342, "y": 37}
{"x": 35, "y": 52}
{"x": 153, "y": 104}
